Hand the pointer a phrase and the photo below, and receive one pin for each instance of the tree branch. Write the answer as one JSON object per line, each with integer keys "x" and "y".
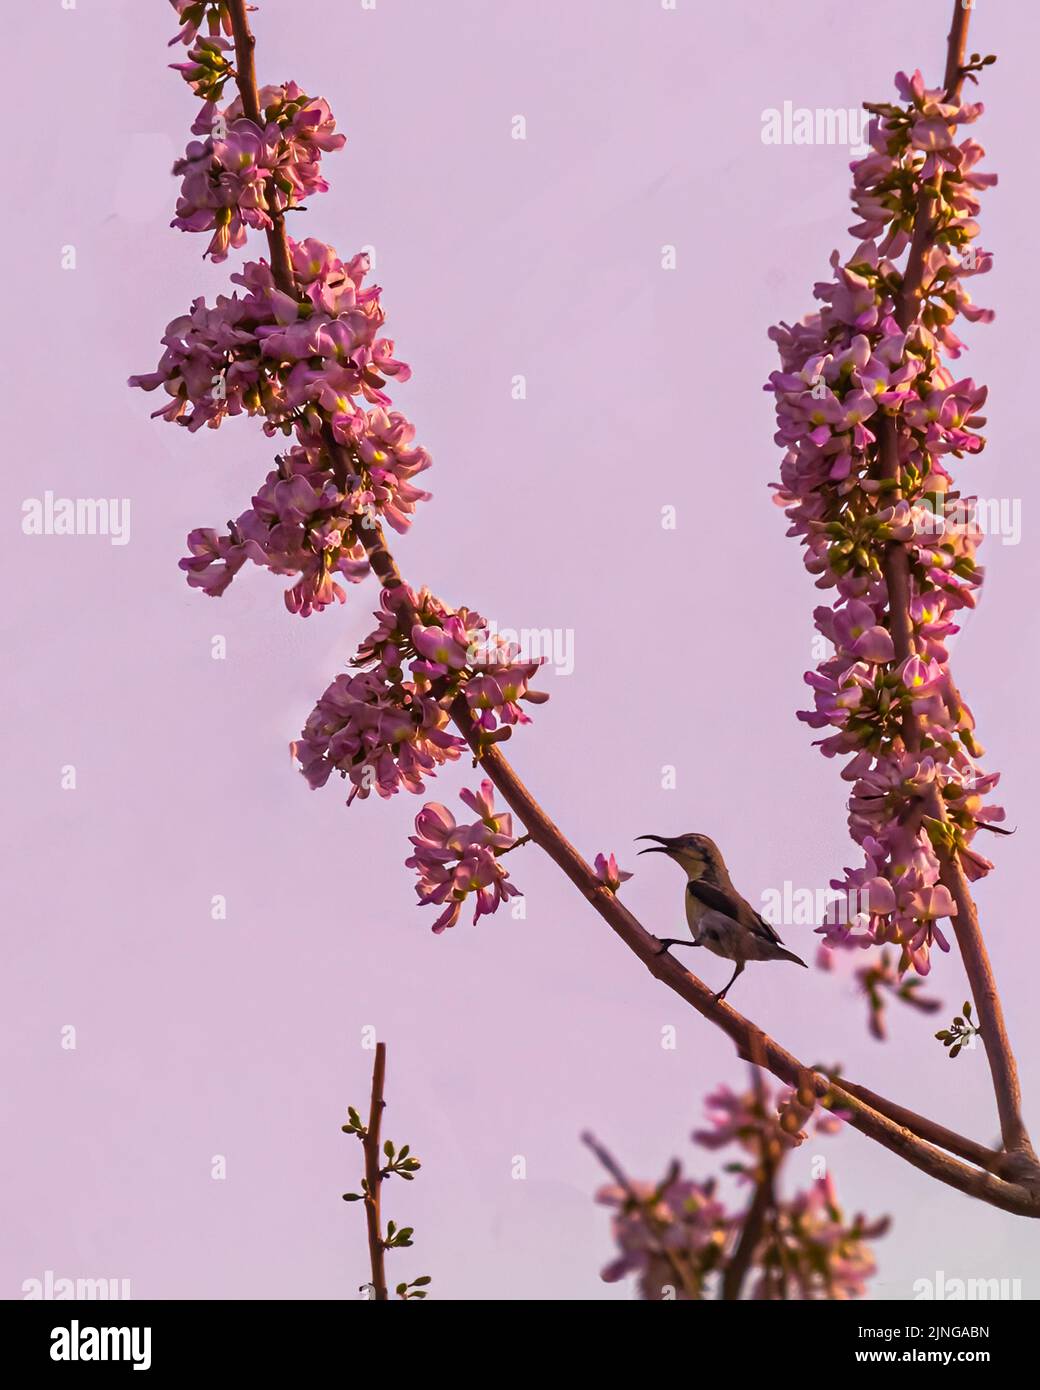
{"x": 903, "y": 1138}
{"x": 896, "y": 568}
{"x": 751, "y": 1232}
{"x": 245, "y": 78}
{"x": 761, "y": 1207}
{"x": 930, "y": 1130}
{"x": 956, "y": 46}
{"x": 910, "y": 1135}
{"x": 953, "y": 80}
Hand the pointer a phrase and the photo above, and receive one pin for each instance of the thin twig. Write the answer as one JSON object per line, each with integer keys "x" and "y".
{"x": 373, "y": 1163}
{"x": 517, "y": 844}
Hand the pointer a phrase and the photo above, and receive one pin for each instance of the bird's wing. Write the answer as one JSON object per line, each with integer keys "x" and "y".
{"x": 733, "y": 906}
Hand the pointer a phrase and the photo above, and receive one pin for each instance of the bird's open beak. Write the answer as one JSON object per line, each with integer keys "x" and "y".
{"x": 663, "y": 845}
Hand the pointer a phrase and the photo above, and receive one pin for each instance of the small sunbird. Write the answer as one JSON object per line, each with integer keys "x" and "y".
{"x": 719, "y": 918}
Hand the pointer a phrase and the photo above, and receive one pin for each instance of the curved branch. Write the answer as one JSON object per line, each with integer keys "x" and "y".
{"x": 909, "y": 1136}
{"x": 750, "y": 1040}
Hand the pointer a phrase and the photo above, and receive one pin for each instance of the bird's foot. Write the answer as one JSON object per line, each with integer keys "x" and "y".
{"x": 730, "y": 983}
{"x": 665, "y": 941}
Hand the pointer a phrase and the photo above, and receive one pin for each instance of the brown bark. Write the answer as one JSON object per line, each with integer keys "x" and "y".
{"x": 919, "y": 1141}
{"x": 245, "y": 76}
{"x": 896, "y": 566}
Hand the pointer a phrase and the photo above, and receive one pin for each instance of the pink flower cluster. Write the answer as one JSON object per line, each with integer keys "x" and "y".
{"x": 303, "y": 520}
{"x": 454, "y": 860}
{"x": 301, "y": 365}
{"x": 739, "y": 1118}
{"x": 193, "y": 14}
{"x": 240, "y": 172}
{"x": 310, "y": 362}
{"x": 208, "y": 67}
{"x": 301, "y": 348}
{"x": 678, "y": 1235}
{"x": 879, "y": 981}
{"x": 384, "y": 729}
{"x": 300, "y": 361}
{"x": 816, "y": 1251}
{"x": 676, "y": 1227}
{"x": 851, "y": 377}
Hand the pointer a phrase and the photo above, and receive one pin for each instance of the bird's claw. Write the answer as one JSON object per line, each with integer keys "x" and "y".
{"x": 665, "y": 941}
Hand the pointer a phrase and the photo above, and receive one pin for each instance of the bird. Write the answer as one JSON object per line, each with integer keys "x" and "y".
{"x": 719, "y": 918}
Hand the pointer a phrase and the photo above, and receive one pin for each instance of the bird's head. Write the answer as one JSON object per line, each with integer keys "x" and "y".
{"x": 697, "y": 854}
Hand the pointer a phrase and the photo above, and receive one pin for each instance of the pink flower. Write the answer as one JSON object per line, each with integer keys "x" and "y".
{"x": 191, "y": 14}
{"x": 454, "y": 861}
{"x": 607, "y": 872}
{"x": 676, "y": 1236}
{"x": 215, "y": 560}
{"x": 242, "y": 172}
{"x": 378, "y": 737}
{"x": 442, "y": 650}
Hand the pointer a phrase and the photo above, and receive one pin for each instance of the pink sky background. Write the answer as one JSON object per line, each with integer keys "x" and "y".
{"x": 497, "y": 257}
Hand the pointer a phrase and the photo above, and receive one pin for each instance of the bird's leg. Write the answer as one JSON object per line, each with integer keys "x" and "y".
{"x": 665, "y": 941}
{"x": 723, "y": 992}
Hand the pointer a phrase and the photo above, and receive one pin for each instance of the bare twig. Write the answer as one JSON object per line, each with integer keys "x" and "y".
{"x": 400, "y": 1162}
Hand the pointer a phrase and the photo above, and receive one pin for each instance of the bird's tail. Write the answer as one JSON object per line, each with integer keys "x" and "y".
{"x": 790, "y": 955}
